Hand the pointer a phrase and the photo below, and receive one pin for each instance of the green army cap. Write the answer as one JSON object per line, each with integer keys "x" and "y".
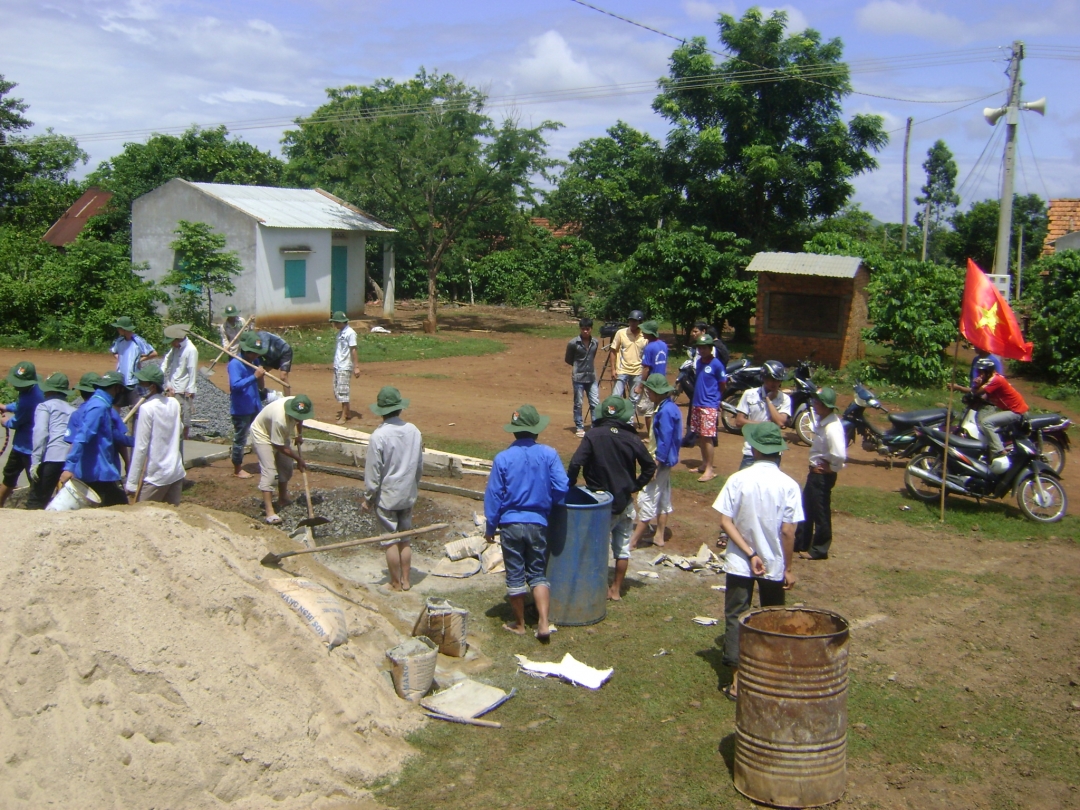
{"x": 300, "y": 407}
{"x": 56, "y": 384}
{"x": 151, "y": 374}
{"x": 388, "y": 401}
{"x": 526, "y": 419}
{"x": 23, "y": 375}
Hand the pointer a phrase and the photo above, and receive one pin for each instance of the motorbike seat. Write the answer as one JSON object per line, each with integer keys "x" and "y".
{"x": 1045, "y": 420}
{"x": 923, "y": 417}
{"x": 960, "y": 442}
{"x": 736, "y": 365}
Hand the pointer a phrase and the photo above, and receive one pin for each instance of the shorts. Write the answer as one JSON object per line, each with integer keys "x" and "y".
{"x": 703, "y": 421}
{"x": 17, "y": 463}
{"x": 342, "y": 384}
{"x": 645, "y": 406}
{"x": 655, "y": 499}
{"x": 622, "y": 526}
{"x": 524, "y": 547}
{"x": 170, "y": 493}
{"x": 395, "y": 520}
{"x": 273, "y": 464}
{"x": 284, "y": 363}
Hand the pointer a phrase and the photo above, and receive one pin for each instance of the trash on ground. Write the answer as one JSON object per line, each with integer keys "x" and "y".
{"x": 662, "y": 652}
{"x": 478, "y": 519}
{"x": 317, "y": 606}
{"x": 705, "y": 621}
{"x": 458, "y": 569}
{"x": 467, "y": 699}
{"x": 413, "y": 667}
{"x": 466, "y": 547}
{"x": 659, "y": 558}
{"x": 705, "y": 561}
{"x": 380, "y": 330}
{"x": 649, "y": 574}
{"x": 718, "y": 587}
{"x": 445, "y": 624}
{"x": 491, "y": 559}
{"x": 569, "y": 669}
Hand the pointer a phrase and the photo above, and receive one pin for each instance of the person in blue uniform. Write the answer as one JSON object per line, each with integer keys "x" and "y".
{"x": 19, "y": 417}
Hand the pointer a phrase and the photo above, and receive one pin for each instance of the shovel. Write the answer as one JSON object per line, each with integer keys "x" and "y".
{"x": 278, "y": 380}
{"x": 311, "y": 519}
{"x": 274, "y": 559}
{"x": 207, "y": 373}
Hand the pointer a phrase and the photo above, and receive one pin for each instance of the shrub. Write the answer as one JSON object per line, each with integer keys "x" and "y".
{"x": 1056, "y": 317}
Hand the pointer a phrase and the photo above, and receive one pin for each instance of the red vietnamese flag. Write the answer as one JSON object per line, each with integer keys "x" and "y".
{"x": 986, "y": 319}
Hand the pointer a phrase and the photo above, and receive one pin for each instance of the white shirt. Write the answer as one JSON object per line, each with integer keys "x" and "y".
{"x": 157, "y": 444}
{"x": 393, "y": 464}
{"x": 830, "y": 443}
{"x": 50, "y": 425}
{"x": 759, "y": 500}
{"x": 273, "y": 425}
{"x": 752, "y": 406}
{"x": 181, "y": 368}
{"x": 346, "y": 341}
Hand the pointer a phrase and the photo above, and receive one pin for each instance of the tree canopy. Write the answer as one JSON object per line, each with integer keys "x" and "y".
{"x": 939, "y": 196}
{"x": 974, "y": 234}
{"x": 757, "y": 148}
{"x": 422, "y": 154}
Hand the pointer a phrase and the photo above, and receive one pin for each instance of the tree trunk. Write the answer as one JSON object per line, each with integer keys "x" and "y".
{"x": 431, "y": 323}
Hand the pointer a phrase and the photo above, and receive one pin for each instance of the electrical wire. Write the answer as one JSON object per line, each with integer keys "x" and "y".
{"x": 948, "y": 112}
{"x": 1035, "y": 160}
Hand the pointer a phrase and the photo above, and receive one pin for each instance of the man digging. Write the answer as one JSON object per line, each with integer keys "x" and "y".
{"x": 527, "y": 479}
{"x": 392, "y": 469}
{"x": 271, "y": 434}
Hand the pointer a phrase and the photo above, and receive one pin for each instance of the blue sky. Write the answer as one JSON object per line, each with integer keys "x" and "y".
{"x": 135, "y": 65}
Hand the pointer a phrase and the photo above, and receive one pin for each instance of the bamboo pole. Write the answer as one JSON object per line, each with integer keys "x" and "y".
{"x": 948, "y": 430}
{"x": 278, "y": 380}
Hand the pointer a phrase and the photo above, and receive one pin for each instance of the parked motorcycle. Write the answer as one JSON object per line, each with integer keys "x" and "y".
{"x": 803, "y": 418}
{"x": 742, "y": 376}
{"x": 899, "y": 441}
{"x": 1050, "y": 432}
{"x": 1037, "y": 488}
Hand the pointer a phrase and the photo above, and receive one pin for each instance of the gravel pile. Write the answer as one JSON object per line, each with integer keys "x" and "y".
{"x": 211, "y": 411}
{"x": 341, "y": 505}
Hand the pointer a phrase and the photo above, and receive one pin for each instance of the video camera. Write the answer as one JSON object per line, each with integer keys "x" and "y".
{"x": 609, "y": 329}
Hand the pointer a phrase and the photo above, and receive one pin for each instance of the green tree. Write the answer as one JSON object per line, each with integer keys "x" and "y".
{"x": 203, "y": 267}
{"x": 1055, "y": 328}
{"x": 939, "y": 198}
{"x": 974, "y": 234}
{"x": 198, "y": 155}
{"x": 757, "y": 148}
{"x": 12, "y": 121}
{"x": 422, "y": 154}
{"x": 613, "y": 187}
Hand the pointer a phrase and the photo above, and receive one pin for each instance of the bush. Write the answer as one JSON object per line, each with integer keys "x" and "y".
{"x": 1056, "y": 317}
{"x": 544, "y": 268}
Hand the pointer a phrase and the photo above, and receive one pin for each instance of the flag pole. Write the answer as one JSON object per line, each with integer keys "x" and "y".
{"x": 948, "y": 429}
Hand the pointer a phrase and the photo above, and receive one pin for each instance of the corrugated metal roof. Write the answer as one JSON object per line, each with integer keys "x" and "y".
{"x": 805, "y": 264}
{"x": 66, "y": 229}
{"x": 294, "y": 207}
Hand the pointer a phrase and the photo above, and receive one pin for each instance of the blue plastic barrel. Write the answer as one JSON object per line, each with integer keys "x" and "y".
{"x": 578, "y": 542}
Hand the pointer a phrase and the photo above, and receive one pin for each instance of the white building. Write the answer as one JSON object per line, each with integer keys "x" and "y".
{"x": 302, "y": 250}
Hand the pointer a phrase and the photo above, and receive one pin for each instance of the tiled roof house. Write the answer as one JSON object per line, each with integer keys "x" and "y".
{"x": 1064, "y": 218}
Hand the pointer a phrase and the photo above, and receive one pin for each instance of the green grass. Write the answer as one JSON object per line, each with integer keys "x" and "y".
{"x": 688, "y": 481}
{"x": 477, "y": 448}
{"x": 316, "y": 345}
{"x": 1000, "y": 520}
{"x": 1069, "y": 398}
{"x": 555, "y": 330}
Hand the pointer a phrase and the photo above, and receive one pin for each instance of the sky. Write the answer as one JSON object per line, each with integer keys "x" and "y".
{"x": 111, "y": 71}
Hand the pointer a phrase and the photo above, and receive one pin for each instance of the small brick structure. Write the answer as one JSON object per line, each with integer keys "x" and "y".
{"x": 1063, "y": 217}
{"x": 810, "y": 307}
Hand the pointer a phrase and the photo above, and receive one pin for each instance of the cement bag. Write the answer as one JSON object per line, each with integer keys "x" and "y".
{"x": 413, "y": 667}
{"x": 317, "y": 606}
{"x": 466, "y": 547}
{"x": 446, "y": 625}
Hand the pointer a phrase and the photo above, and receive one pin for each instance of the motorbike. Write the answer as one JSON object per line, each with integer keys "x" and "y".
{"x": 742, "y": 375}
{"x": 899, "y": 441}
{"x": 1036, "y": 486}
{"x": 1050, "y": 432}
{"x": 802, "y": 415}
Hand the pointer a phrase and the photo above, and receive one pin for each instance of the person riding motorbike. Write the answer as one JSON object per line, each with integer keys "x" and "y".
{"x": 1011, "y": 407}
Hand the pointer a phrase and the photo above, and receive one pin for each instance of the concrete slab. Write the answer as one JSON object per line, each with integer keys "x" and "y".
{"x": 200, "y": 454}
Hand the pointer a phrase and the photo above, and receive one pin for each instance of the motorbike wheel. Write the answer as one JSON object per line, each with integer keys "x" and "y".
{"x": 919, "y": 489}
{"x": 805, "y": 423}
{"x": 727, "y": 417}
{"x": 1047, "y": 506}
{"x": 1053, "y": 452}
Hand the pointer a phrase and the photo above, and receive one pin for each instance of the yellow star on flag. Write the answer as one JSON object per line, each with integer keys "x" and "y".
{"x": 989, "y": 318}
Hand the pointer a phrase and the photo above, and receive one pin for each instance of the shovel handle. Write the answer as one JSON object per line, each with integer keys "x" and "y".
{"x": 231, "y": 343}
{"x": 273, "y": 558}
{"x": 278, "y": 380}
{"x": 133, "y": 410}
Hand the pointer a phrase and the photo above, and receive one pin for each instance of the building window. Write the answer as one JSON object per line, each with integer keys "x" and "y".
{"x": 805, "y": 315}
{"x": 295, "y": 278}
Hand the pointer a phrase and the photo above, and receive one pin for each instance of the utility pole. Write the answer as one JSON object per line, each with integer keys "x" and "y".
{"x": 904, "y": 215}
{"x": 925, "y": 228}
{"x": 1012, "y": 119}
{"x": 1019, "y": 260}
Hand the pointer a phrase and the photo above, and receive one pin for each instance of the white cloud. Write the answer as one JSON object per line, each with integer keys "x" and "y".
{"x": 240, "y": 95}
{"x": 890, "y": 17}
{"x": 551, "y": 65}
{"x": 703, "y": 11}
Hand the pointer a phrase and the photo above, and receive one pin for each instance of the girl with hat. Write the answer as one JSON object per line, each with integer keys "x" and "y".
{"x": 51, "y": 419}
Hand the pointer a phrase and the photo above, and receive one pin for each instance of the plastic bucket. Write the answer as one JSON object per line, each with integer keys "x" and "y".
{"x": 579, "y": 539}
{"x": 73, "y": 495}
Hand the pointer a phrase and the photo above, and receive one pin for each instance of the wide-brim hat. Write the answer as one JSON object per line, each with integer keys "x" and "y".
{"x": 300, "y": 407}
{"x": 56, "y": 384}
{"x": 615, "y": 408}
{"x": 658, "y": 384}
{"x": 151, "y": 374}
{"x": 705, "y": 340}
{"x": 651, "y": 328}
{"x": 339, "y": 317}
{"x": 251, "y": 342}
{"x": 125, "y": 323}
{"x": 22, "y": 375}
{"x": 231, "y": 311}
{"x": 827, "y": 397}
{"x": 176, "y": 331}
{"x": 526, "y": 419}
{"x": 109, "y": 379}
{"x": 764, "y": 437}
{"x": 87, "y": 382}
{"x": 388, "y": 401}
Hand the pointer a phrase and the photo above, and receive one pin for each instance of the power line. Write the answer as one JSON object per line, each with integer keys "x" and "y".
{"x": 1035, "y": 160}
{"x": 948, "y": 112}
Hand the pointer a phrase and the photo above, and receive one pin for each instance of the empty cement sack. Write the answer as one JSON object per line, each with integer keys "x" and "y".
{"x": 466, "y": 547}
{"x": 445, "y": 624}
{"x": 317, "y": 606}
{"x": 413, "y": 667}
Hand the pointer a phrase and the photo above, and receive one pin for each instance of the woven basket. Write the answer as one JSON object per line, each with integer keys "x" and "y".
{"x": 413, "y": 667}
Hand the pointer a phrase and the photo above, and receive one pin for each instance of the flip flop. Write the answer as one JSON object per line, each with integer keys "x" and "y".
{"x": 274, "y": 520}
{"x": 732, "y": 696}
{"x": 552, "y": 630}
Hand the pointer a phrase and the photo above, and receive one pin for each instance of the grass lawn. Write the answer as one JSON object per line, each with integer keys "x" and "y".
{"x": 316, "y": 345}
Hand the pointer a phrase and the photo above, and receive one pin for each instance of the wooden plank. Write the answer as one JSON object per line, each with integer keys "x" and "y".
{"x": 430, "y": 486}
{"x": 363, "y": 438}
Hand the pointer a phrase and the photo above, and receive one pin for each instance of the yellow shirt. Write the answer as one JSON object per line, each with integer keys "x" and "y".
{"x": 630, "y": 351}
{"x": 273, "y": 425}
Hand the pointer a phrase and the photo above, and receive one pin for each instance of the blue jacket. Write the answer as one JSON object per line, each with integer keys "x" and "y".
{"x": 124, "y": 439}
{"x": 526, "y": 480}
{"x": 709, "y": 384}
{"x": 95, "y": 439}
{"x": 667, "y": 430}
{"x": 243, "y": 389}
{"x": 23, "y": 421}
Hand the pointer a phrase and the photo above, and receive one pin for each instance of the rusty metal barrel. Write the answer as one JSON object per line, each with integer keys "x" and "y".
{"x": 791, "y": 715}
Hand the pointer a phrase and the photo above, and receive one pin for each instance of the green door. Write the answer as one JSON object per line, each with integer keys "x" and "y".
{"x": 339, "y": 278}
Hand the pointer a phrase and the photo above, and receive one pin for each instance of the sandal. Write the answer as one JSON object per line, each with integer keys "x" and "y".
{"x": 274, "y": 520}
{"x": 732, "y": 696}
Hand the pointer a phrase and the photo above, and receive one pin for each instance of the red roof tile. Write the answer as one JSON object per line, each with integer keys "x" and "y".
{"x": 66, "y": 229}
{"x": 569, "y": 229}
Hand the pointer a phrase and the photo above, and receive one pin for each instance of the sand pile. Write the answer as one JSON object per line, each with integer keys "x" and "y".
{"x": 145, "y": 662}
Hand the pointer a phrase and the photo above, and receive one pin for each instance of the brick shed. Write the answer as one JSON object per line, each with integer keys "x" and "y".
{"x": 1064, "y": 218}
{"x": 810, "y": 307}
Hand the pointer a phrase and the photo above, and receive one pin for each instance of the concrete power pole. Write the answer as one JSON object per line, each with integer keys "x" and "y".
{"x": 904, "y": 214}
{"x": 1012, "y": 119}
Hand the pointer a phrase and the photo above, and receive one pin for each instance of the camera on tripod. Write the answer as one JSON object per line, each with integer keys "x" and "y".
{"x": 609, "y": 329}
